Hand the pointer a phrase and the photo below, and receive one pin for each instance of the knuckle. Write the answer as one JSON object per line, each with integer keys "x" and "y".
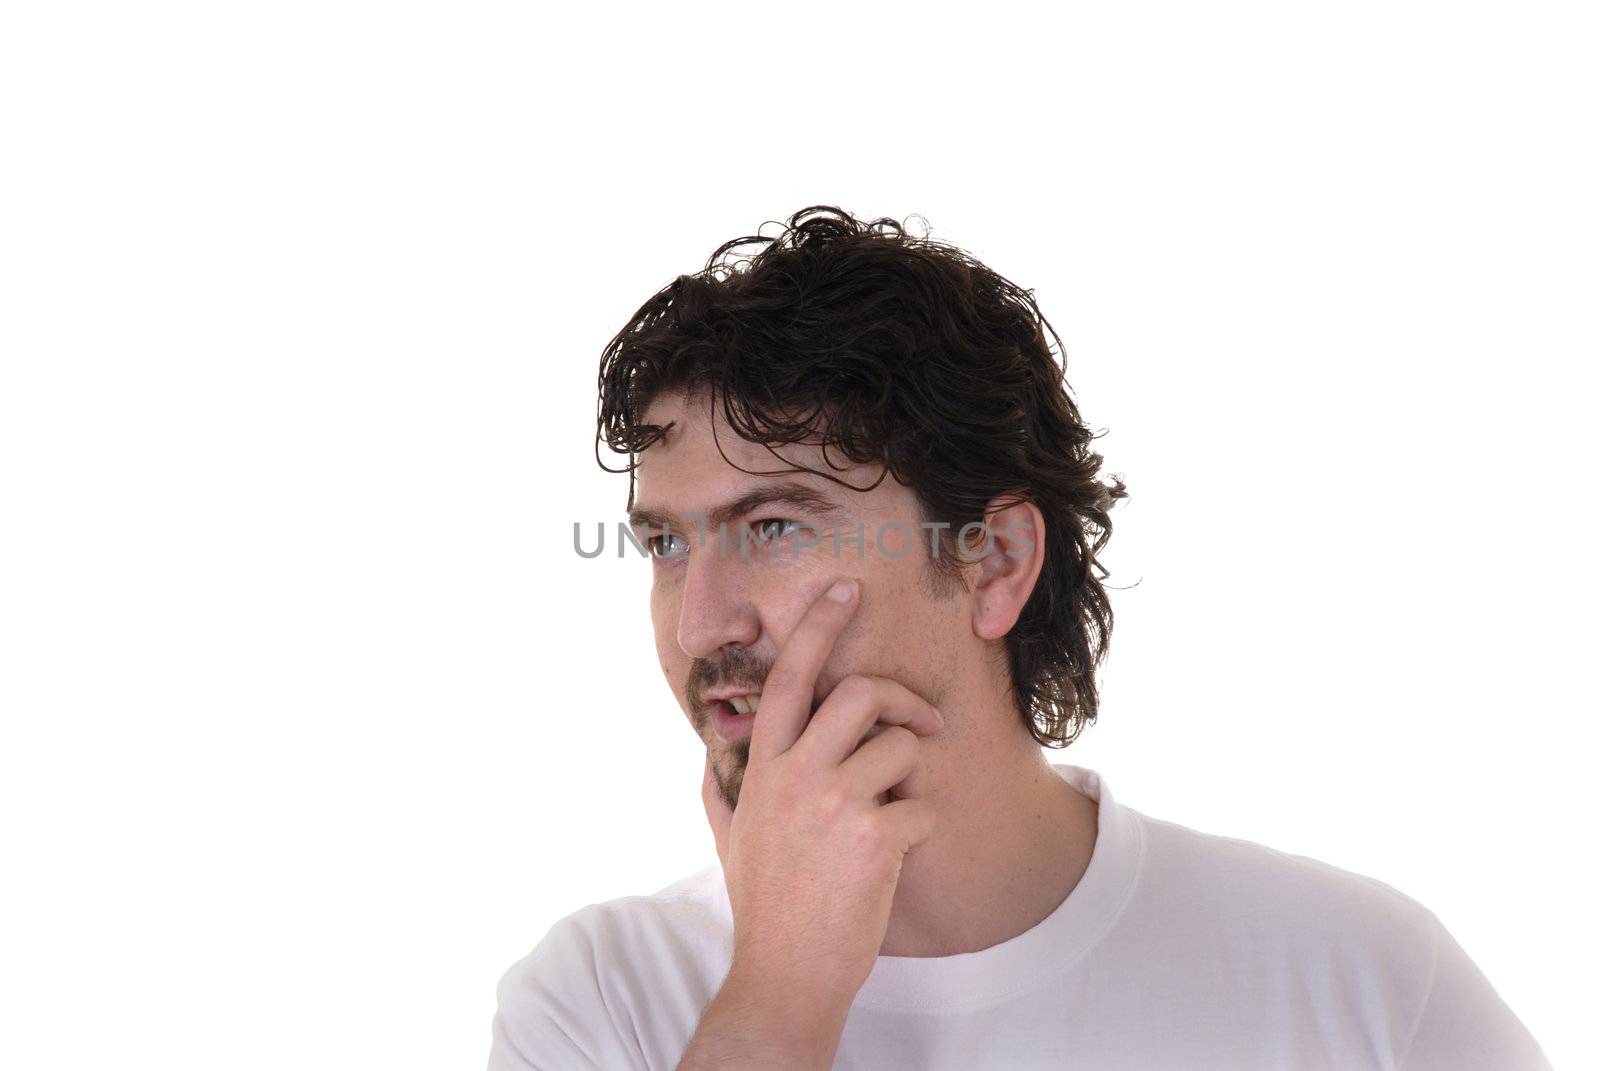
{"x": 831, "y": 802}
{"x": 899, "y": 744}
{"x": 870, "y": 838}
{"x": 788, "y": 788}
{"x": 854, "y": 688}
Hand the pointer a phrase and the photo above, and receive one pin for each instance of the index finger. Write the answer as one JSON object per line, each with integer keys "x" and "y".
{"x": 786, "y": 696}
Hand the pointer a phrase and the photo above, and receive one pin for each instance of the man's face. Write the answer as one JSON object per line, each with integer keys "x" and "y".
{"x": 721, "y": 618}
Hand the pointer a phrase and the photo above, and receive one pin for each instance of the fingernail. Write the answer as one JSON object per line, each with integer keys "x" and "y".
{"x": 842, "y": 591}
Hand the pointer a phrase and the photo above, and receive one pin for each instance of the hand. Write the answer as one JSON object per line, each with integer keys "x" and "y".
{"x": 813, "y": 853}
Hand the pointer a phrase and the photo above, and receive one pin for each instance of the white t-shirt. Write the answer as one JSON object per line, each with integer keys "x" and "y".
{"x": 1176, "y": 949}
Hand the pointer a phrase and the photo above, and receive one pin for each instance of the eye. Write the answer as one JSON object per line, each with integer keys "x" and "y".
{"x": 666, "y": 546}
{"x": 772, "y": 529}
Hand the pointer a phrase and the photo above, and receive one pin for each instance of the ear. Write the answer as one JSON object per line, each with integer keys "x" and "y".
{"x": 1012, "y": 550}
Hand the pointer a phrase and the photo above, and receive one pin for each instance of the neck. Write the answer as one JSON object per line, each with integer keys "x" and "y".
{"x": 1012, "y": 841}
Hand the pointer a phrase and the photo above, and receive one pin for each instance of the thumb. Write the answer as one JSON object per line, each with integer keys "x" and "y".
{"x": 718, "y": 814}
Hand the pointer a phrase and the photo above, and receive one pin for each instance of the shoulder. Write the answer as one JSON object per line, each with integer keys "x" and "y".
{"x": 1231, "y": 878}
{"x": 1324, "y": 950}
{"x": 583, "y": 991}
{"x": 604, "y": 942}
{"x": 686, "y": 910}
{"x": 1348, "y": 946}
{"x": 1465, "y": 1024}
{"x": 1339, "y": 938}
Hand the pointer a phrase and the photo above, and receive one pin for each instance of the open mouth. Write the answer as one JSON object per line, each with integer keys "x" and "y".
{"x": 745, "y": 704}
{"x": 734, "y": 718}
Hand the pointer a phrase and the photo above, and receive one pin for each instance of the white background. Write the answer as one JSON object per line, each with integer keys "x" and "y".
{"x": 313, "y": 720}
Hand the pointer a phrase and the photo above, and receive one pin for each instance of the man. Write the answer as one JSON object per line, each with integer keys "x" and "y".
{"x": 874, "y": 518}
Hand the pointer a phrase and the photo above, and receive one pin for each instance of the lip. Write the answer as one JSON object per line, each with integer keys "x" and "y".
{"x": 730, "y": 692}
{"x": 728, "y": 724}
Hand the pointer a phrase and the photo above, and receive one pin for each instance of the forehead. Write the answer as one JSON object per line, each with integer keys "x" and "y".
{"x": 701, "y": 457}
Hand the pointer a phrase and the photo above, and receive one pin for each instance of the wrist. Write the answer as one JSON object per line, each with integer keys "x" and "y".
{"x": 757, "y": 1021}
{"x": 809, "y": 1004}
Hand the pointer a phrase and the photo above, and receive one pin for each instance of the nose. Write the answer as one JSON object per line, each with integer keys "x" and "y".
{"x": 716, "y": 611}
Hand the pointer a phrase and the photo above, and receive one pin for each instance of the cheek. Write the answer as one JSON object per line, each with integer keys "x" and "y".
{"x": 664, "y": 622}
{"x": 904, "y": 634}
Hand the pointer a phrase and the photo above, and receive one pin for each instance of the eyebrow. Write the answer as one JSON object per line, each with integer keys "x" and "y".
{"x": 786, "y": 493}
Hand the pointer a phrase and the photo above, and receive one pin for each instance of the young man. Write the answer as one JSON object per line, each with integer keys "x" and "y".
{"x": 874, "y": 516}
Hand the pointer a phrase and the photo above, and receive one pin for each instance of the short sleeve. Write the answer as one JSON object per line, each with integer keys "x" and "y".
{"x": 551, "y": 1013}
{"x": 1464, "y": 1025}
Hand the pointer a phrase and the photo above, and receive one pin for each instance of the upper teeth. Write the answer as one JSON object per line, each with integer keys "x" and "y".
{"x": 745, "y": 704}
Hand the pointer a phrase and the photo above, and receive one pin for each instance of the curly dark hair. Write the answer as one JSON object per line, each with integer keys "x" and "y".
{"x": 904, "y": 351}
